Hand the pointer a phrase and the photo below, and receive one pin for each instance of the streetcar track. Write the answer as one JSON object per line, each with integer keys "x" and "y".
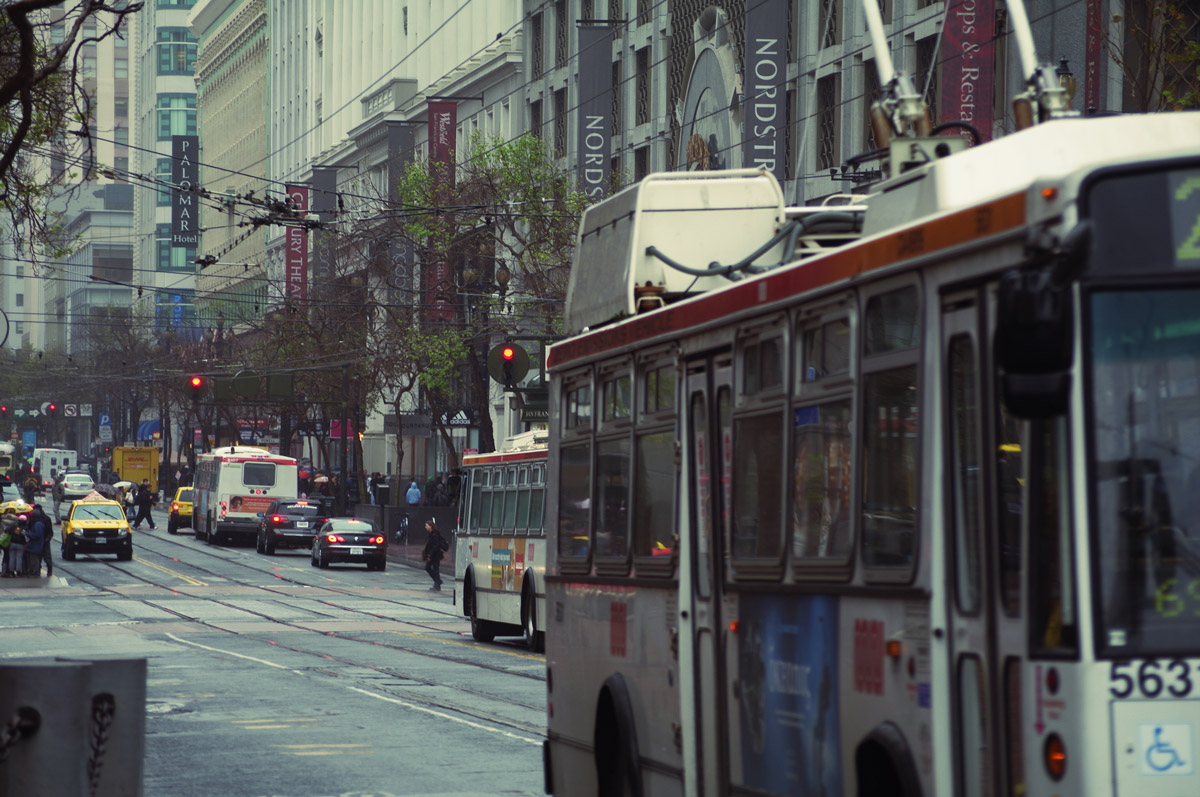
{"x": 326, "y": 657}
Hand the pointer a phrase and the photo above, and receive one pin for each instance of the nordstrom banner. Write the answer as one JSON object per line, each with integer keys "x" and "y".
{"x": 595, "y": 110}
{"x": 185, "y": 210}
{"x": 765, "y": 134}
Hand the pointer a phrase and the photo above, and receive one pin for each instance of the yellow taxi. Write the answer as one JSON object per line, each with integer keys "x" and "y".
{"x": 11, "y": 501}
{"x": 181, "y": 510}
{"x": 96, "y": 524}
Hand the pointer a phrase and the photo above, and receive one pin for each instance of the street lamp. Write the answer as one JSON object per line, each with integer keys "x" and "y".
{"x": 1066, "y": 80}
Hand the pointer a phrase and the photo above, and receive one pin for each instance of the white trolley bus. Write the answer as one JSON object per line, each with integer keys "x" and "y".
{"x": 500, "y": 558}
{"x": 233, "y": 486}
{"x": 916, "y": 513}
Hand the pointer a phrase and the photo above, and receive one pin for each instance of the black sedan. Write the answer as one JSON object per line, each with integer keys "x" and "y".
{"x": 290, "y": 523}
{"x": 346, "y": 539}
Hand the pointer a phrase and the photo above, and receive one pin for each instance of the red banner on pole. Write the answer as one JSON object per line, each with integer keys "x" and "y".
{"x": 295, "y": 257}
{"x": 437, "y": 278}
{"x": 967, "y": 65}
{"x": 443, "y": 125}
{"x": 1093, "y": 52}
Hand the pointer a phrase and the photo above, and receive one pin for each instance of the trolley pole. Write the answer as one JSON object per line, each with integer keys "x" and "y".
{"x": 345, "y": 473}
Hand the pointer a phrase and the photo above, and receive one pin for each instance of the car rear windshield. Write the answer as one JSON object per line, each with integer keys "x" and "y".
{"x": 301, "y": 509}
{"x": 185, "y": 495}
{"x": 350, "y": 525}
{"x": 77, "y": 480}
{"x": 97, "y": 512}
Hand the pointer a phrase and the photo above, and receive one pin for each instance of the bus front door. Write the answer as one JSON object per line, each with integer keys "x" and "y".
{"x": 982, "y": 452}
{"x": 709, "y": 430}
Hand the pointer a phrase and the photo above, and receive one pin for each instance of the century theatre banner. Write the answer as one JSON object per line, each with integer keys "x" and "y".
{"x": 968, "y": 53}
{"x": 595, "y": 109}
{"x": 295, "y": 256}
{"x": 765, "y": 78}
{"x": 185, "y": 216}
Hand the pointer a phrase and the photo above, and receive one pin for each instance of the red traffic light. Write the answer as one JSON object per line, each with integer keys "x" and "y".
{"x": 53, "y": 407}
{"x": 508, "y": 353}
{"x": 197, "y": 383}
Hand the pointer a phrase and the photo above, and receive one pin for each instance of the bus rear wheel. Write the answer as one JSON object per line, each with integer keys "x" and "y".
{"x": 534, "y": 639}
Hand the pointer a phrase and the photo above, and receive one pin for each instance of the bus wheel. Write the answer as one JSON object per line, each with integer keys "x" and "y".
{"x": 482, "y": 630}
{"x": 884, "y": 765}
{"x": 618, "y": 764}
{"x": 534, "y": 639}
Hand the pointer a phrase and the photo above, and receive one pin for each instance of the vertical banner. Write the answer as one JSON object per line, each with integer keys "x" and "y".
{"x": 437, "y": 278}
{"x": 295, "y": 257}
{"x": 968, "y": 52}
{"x": 401, "y": 146}
{"x": 765, "y": 135}
{"x": 185, "y": 216}
{"x": 322, "y": 200}
{"x": 595, "y": 110}
{"x": 1092, "y": 53}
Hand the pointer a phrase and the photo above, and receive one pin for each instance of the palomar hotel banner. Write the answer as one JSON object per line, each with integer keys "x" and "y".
{"x": 185, "y": 210}
{"x": 295, "y": 257}
{"x": 968, "y": 53}
{"x": 595, "y": 109}
{"x": 765, "y": 135}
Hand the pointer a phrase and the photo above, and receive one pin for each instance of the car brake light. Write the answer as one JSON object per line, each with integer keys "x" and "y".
{"x": 377, "y": 540}
{"x": 335, "y": 538}
{"x": 224, "y": 504}
{"x": 174, "y": 507}
{"x": 276, "y": 519}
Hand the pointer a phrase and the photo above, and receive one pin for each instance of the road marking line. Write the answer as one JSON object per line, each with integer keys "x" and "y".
{"x": 231, "y": 653}
{"x": 335, "y": 752}
{"x": 193, "y": 581}
{"x": 462, "y": 642}
{"x": 314, "y": 746}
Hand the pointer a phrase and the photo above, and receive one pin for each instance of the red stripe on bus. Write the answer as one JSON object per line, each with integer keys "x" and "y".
{"x": 512, "y": 456}
{"x": 954, "y": 229}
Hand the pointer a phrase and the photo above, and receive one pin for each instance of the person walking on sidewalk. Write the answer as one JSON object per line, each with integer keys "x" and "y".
{"x": 35, "y": 542}
{"x": 144, "y": 501}
{"x": 435, "y": 546}
{"x": 58, "y": 494}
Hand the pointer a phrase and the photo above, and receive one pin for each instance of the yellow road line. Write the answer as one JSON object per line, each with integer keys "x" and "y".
{"x": 193, "y": 581}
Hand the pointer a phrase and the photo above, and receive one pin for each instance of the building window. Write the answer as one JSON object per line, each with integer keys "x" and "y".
{"x": 20, "y": 300}
{"x": 163, "y": 177}
{"x": 617, "y": 94}
{"x": 57, "y": 34}
{"x": 535, "y": 118}
{"x": 20, "y": 330}
{"x": 121, "y": 135}
{"x": 560, "y": 34}
{"x": 176, "y": 51}
{"x": 643, "y": 86}
{"x": 176, "y": 3}
{"x": 614, "y": 16}
{"x": 927, "y": 71}
{"x": 172, "y": 258}
{"x": 870, "y": 95}
{"x": 560, "y": 123}
{"x": 535, "y": 51}
{"x": 120, "y": 107}
{"x": 641, "y": 163}
{"x": 587, "y": 9}
{"x": 176, "y": 115}
{"x": 831, "y": 22}
{"x": 121, "y": 68}
{"x": 121, "y": 169}
{"x": 643, "y": 12}
{"x": 828, "y": 126}
{"x": 89, "y": 63}
{"x": 404, "y": 18}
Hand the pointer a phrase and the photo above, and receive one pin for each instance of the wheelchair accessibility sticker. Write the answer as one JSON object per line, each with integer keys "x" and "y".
{"x": 1166, "y": 749}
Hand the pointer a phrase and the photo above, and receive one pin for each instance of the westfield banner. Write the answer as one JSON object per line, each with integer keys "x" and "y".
{"x": 295, "y": 258}
{"x": 968, "y": 61}
{"x": 437, "y": 280}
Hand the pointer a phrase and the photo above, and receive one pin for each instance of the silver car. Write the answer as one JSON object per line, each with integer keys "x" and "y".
{"x": 76, "y": 486}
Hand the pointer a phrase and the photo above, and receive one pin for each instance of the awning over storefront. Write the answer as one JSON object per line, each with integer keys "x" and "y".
{"x": 149, "y": 430}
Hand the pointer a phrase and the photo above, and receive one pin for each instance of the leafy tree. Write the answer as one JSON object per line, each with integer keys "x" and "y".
{"x": 43, "y": 89}
{"x": 1160, "y": 58}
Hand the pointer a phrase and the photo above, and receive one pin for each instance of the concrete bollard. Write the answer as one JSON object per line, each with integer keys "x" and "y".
{"x": 53, "y": 759}
{"x": 117, "y": 738}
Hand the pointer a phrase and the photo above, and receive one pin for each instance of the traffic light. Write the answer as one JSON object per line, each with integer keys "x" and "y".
{"x": 3, "y": 410}
{"x": 508, "y": 364}
{"x": 52, "y": 409}
{"x": 197, "y": 383}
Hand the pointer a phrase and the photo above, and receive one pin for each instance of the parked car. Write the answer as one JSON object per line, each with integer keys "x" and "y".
{"x": 346, "y": 539}
{"x": 290, "y": 523}
{"x": 97, "y": 527}
{"x": 180, "y": 510}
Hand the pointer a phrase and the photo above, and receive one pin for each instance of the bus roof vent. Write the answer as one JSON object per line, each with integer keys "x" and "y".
{"x": 535, "y": 438}
{"x": 696, "y": 222}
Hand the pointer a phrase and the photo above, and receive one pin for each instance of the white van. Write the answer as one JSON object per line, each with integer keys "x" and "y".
{"x": 53, "y": 460}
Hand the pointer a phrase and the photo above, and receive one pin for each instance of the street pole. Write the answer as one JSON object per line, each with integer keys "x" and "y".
{"x": 345, "y": 473}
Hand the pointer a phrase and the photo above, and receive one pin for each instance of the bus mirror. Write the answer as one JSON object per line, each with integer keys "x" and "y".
{"x": 1034, "y": 342}
{"x": 1071, "y": 255}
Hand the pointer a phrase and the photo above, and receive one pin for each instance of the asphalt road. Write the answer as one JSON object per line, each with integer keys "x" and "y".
{"x": 267, "y": 676}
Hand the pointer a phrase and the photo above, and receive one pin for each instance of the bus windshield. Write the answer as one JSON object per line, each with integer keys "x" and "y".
{"x": 1145, "y": 427}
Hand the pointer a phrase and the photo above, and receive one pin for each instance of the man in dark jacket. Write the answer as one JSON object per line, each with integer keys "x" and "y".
{"x": 144, "y": 501}
{"x": 40, "y": 521}
{"x": 35, "y": 541}
{"x": 432, "y": 554}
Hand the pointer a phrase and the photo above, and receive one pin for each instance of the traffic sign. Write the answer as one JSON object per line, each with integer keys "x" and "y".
{"x": 70, "y": 410}
{"x": 106, "y": 434}
{"x": 19, "y": 413}
{"x": 33, "y": 414}
{"x": 85, "y": 410}
{"x": 105, "y": 419}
